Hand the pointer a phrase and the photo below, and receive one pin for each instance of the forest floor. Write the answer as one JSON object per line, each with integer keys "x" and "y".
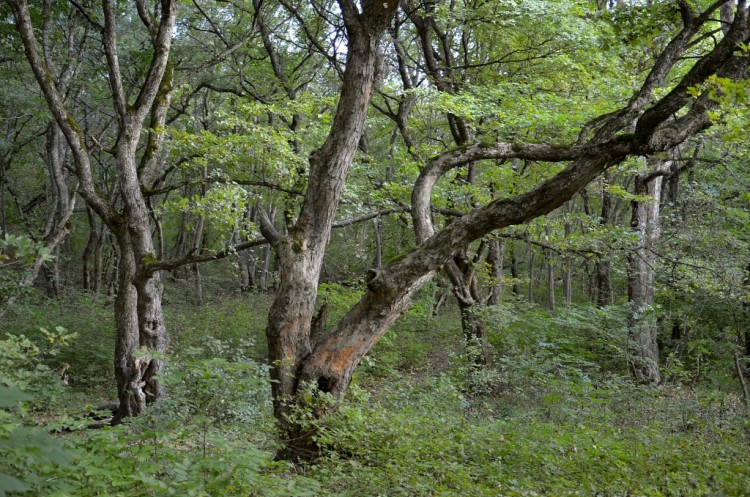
{"x": 555, "y": 414}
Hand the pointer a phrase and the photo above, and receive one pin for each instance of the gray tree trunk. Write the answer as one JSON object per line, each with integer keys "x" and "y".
{"x": 140, "y": 322}
{"x": 642, "y": 317}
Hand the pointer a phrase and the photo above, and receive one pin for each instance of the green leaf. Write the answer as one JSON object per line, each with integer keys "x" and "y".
{"x": 9, "y": 397}
{"x": 11, "y": 484}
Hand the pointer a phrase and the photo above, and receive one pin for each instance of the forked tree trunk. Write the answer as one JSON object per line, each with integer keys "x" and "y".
{"x": 138, "y": 313}
{"x": 300, "y": 253}
{"x": 462, "y": 275}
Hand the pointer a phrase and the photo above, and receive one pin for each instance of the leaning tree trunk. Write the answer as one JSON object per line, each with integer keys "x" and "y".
{"x": 326, "y": 363}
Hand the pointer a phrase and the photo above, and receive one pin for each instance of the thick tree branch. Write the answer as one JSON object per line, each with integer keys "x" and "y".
{"x": 162, "y": 45}
{"x": 109, "y": 39}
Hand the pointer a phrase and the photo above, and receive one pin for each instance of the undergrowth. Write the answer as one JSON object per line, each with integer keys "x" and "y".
{"x": 554, "y": 414}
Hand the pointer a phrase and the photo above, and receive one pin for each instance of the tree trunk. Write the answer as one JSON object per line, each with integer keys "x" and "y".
{"x": 603, "y": 266}
{"x": 530, "y": 258}
{"x": 378, "y": 260}
{"x": 495, "y": 259}
{"x": 475, "y": 336}
{"x": 87, "y": 279}
{"x": 514, "y": 272}
{"x": 141, "y": 330}
{"x": 746, "y": 314}
{"x": 550, "y": 259}
{"x": 462, "y": 275}
{"x": 59, "y": 210}
{"x": 300, "y": 253}
{"x": 326, "y": 364}
{"x": 568, "y": 261}
{"x": 642, "y": 318}
{"x": 246, "y": 261}
{"x": 265, "y": 267}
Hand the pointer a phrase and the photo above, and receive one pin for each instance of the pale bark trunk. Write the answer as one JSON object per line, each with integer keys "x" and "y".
{"x": 266, "y": 279}
{"x": 641, "y": 273}
{"x": 196, "y": 249}
{"x": 603, "y": 265}
{"x": 530, "y": 262}
{"x": 568, "y": 262}
{"x": 61, "y": 204}
{"x": 246, "y": 260}
{"x": 378, "y": 261}
{"x": 141, "y": 330}
{"x": 514, "y": 272}
{"x": 495, "y": 258}
{"x": 549, "y": 257}
{"x": 138, "y": 312}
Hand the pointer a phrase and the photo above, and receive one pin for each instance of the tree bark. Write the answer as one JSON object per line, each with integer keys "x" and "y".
{"x": 568, "y": 261}
{"x": 549, "y": 257}
{"x": 642, "y": 319}
{"x": 495, "y": 258}
{"x": 514, "y": 271}
{"x": 138, "y": 313}
{"x": 300, "y": 253}
{"x": 603, "y": 266}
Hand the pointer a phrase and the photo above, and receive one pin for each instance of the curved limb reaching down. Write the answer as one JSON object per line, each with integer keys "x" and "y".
{"x": 389, "y": 290}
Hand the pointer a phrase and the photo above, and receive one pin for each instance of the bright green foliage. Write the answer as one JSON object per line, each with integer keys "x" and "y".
{"x": 556, "y": 419}
{"x": 197, "y": 442}
{"x": 554, "y": 415}
{"x": 28, "y": 455}
{"x": 576, "y": 439}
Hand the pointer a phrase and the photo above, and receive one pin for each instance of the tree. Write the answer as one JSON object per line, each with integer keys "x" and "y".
{"x": 646, "y": 124}
{"x": 139, "y": 317}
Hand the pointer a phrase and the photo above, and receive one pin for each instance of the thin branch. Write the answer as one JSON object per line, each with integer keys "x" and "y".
{"x": 86, "y": 15}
